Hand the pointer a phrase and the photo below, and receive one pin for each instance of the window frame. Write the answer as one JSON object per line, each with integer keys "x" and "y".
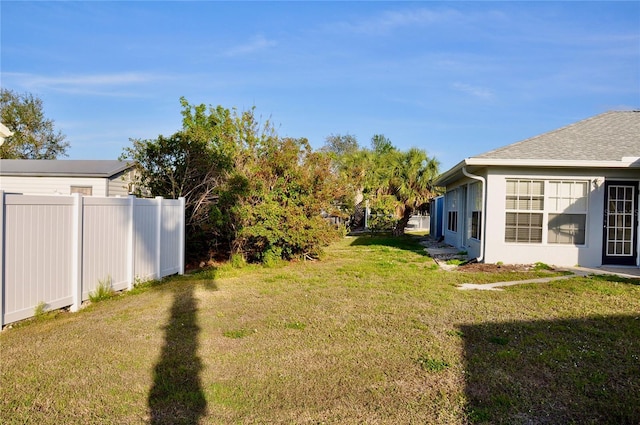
{"x": 522, "y": 204}
{"x": 573, "y": 208}
{"x": 452, "y": 210}
{"x": 475, "y": 200}
{"x": 555, "y": 201}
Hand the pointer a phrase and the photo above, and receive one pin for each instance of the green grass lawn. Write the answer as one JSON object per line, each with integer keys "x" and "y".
{"x": 374, "y": 333}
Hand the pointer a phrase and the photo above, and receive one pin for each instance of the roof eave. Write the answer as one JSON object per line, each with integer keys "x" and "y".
{"x": 555, "y": 163}
{"x": 455, "y": 172}
{"x": 449, "y": 175}
{"x": 124, "y": 166}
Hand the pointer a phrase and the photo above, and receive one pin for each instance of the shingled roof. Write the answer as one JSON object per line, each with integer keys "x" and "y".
{"x": 606, "y": 137}
{"x": 609, "y": 140}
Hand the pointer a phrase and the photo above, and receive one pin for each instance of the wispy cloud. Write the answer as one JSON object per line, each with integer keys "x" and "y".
{"x": 254, "y": 45}
{"x": 117, "y": 84}
{"x": 476, "y": 91}
{"x": 392, "y": 20}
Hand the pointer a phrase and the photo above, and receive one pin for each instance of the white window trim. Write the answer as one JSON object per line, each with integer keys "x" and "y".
{"x": 547, "y": 210}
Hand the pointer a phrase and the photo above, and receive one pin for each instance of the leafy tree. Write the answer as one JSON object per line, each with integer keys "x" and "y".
{"x": 248, "y": 191}
{"x": 276, "y": 198}
{"x": 384, "y": 172}
{"x": 411, "y": 181}
{"x": 34, "y": 136}
{"x": 191, "y": 163}
{"x": 381, "y": 145}
{"x": 382, "y": 210}
{"x": 341, "y": 145}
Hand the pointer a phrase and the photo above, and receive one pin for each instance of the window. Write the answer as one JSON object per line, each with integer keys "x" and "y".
{"x": 452, "y": 221}
{"x": 452, "y": 211}
{"x": 523, "y": 227}
{"x": 567, "y": 228}
{"x": 476, "y": 219}
{"x": 568, "y": 212}
{"x": 475, "y": 199}
{"x": 523, "y": 197}
{"x": 84, "y": 190}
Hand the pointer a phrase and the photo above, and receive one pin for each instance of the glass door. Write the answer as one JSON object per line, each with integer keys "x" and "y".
{"x": 620, "y": 223}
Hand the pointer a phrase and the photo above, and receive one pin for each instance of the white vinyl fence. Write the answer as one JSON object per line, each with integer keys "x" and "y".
{"x": 56, "y": 249}
{"x": 419, "y": 222}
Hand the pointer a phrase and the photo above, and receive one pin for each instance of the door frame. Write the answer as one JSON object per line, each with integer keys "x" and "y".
{"x": 625, "y": 260}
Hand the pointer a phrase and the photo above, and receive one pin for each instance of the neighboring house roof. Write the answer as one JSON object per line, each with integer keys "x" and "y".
{"x": 611, "y": 140}
{"x": 62, "y": 167}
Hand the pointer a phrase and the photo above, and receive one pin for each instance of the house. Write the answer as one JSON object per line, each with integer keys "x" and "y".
{"x": 568, "y": 197}
{"x": 64, "y": 177}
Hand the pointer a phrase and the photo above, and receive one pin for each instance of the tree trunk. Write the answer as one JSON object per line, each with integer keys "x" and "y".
{"x": 402, "y": 224}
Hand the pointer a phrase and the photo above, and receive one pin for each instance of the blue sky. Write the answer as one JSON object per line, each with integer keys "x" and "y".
{"x": 453, "y": 78}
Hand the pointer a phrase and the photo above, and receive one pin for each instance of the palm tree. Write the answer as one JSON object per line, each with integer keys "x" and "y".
{"x": 411, "y": 179}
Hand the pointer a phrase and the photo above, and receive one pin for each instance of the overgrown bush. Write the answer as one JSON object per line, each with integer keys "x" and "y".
{"x": 248, "y": 192}
{"x": 383, "y": 213}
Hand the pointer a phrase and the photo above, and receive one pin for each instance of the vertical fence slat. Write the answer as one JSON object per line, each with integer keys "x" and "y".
{"x": 2, "y": 247}
{"x": 182, "y": 225}
{"x": 76, "y": 252}
{"x": 131, "y": 257}
{"x": 158, "y": 262}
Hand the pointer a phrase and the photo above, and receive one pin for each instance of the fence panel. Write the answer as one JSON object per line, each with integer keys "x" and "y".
{"x": 37, "y": 254}
{"x": 419, "y": 222}
{"x": 145, "y": 223}
{"x": 171, "y": 239}
{"x": 55, "y": 249}
{"x": 105, "y": 243}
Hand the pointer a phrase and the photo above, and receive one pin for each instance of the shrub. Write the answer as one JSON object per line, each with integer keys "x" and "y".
{"x": 40, "y": 309}
{"x": 103, "y": 291}
{"x": 541, "y": 266}
{"x": 237, "y": 261}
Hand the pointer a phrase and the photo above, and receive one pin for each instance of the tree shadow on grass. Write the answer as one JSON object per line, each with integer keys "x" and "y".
{"x": 405, "y": 242}
{"x": 582, "y": 371}
{"x": 177, "y": 396}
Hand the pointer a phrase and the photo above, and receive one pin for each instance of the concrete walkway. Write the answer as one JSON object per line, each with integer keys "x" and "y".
{"x": 626, "y": 272}
{"x": 497, "y": 286}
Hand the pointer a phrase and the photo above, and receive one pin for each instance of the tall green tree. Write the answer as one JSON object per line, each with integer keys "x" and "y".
{"x": 381, "y": 145}
{"x": 191, "y": 163}
{"x": 394, "y": 182}
{"x": 287, "y": 187}
{"x": 340, "y": 144}
{"x": 248, "y": 191}
{"x": 411, "y": 181}
{"x": 34, "y": 135}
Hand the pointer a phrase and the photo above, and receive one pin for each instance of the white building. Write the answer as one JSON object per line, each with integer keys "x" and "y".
{"x": 64, "y": 177}
{"x": 568, "y": 197}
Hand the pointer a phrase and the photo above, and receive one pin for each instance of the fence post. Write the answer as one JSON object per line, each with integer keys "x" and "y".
{"x": 76, "y": 251}
{"x": 131, "y": 273}
{"x": 2, "y": 244}
{"x": 159, "y": 237}
{"x": 182, "y": 233}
